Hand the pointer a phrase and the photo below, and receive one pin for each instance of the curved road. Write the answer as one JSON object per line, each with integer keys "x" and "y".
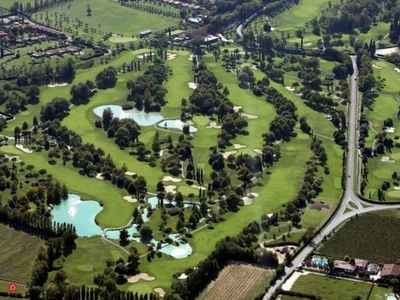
{"x": 349, "y": 196}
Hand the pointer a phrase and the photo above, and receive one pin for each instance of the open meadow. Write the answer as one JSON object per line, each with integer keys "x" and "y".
{"x": 368, "y": 236}
{"x": 239, "y": 282}
{"x": 332, "y": 289}
{"x": 101, "y": 20}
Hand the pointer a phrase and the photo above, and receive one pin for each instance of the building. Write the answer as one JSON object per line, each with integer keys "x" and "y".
{"x": 361, "y": 264}
{"x": 145, "y": 33}
{"x": 344, "y": 266}
{"x": 389, "y": 271}
{"x": 210, "y": 39}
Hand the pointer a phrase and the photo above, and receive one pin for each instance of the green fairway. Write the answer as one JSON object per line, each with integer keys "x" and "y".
{"x": 333, "y": 289}
{"x": 385, "y": 106}
{"x": 116, "y": 212}
{"x": 82, "y": 264}
{"x": 18, "y": 251}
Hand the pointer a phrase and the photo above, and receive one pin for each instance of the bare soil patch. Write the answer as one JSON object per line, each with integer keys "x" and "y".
{"x": 320, "y": 206}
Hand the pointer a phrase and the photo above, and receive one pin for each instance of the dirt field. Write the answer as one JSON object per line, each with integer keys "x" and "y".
{"x": 239, "y": 282}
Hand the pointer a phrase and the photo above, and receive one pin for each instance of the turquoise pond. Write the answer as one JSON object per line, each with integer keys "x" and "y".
{"x": 178, "y": 124}
{"x": 82, "y": 215}
{"x": 140, "y": 117}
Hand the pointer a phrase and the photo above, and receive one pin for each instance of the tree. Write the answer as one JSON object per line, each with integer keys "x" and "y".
{"x": 123, "y": 237}
{"x": 42, "y": 172}
{"x": 146, "y": 232}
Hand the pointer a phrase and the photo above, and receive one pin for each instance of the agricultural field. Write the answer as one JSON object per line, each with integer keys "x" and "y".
{"x": 369, "y": 236}
{"x": 333, "y": 289}
{"x": 239, "y": 282}
{"x": 18, "y": 250}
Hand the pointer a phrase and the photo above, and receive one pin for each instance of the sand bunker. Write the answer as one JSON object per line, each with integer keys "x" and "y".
{"x": 397, "y": 70}
{"x": 376, "y": 67}
{"x": 258, "y": 151}
{"x": 227, "y": 153}
{"x": 213, "y": 124}
{"x": 183, "y": 276}
{"x": 194, "y": 186}
{"x": 387, "y": 159}
{"x": 191, "y": 56}
{"x": 23, "y": 149}
{"x": 390, "y": 129}
{"x": 307, "y": 44}
{"x": 170, "y": 178}
{"x": 16, "y": 158}
{"x": 130, "y": 199}
{"x": 143, "y": 276}
{"x": 237, "y": 108}
{"x": 171, "y": 56}
{"x": 238, "y": 146}
{"x": 289, "y": 88}
{"x": 397, "y": 188}
{"x": 192, "y": 85}
{"x": 178, "y": 252}
{"x": 249, "y": 198}
{"x": 170, "y": 189}
{"x": 99, "y": 176}
{"x": 143, "y": 55}
{"x": 160, "y": 291}
{"x": 57, "y": 84}
{"x": 249, "y": 116}
{"x": 129, "y": 173}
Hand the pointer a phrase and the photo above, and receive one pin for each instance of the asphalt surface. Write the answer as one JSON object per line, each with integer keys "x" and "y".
{"x": 349, "y": 196}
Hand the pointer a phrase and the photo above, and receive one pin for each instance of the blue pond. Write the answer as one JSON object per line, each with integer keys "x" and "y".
{"x": 194, "y": 19}
{"x": 80, "y": 213}
{"x": 140, "y": 117}
{"x": 320, "y": 261}
{"x": 176, "y": 124}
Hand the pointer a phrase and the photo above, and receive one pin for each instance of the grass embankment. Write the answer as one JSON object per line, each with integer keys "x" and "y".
{"x": 332, "y": 289}
{"x": 18, "y": 251}
{"x": 385, "y": 106}
{"x": 369, "y": 236}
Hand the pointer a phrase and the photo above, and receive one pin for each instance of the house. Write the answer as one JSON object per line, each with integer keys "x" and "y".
{"x": 361, "y": 264}
{"x": 389, "y": 271}
{"x": 343, "y": 266}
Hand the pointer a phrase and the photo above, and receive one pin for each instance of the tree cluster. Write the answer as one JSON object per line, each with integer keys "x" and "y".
{"x": 282, "y": 126}
{"x": 147, "y": 91}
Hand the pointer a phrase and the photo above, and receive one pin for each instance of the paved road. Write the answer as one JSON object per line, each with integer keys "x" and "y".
{"x": 349, "y": 196}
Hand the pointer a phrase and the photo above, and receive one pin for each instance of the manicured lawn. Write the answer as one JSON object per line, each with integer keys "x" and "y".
{"x": 367, "y": 230}
{"x": 18, "y": 251}
{"x": 122, "y": 20}
{"x": 89, "y": 258}
{"x": 330, "y": 289}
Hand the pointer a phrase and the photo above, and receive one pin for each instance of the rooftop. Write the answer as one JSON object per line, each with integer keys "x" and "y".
{"x": 344, "y": 265}
{"x": 390, "y": 269}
